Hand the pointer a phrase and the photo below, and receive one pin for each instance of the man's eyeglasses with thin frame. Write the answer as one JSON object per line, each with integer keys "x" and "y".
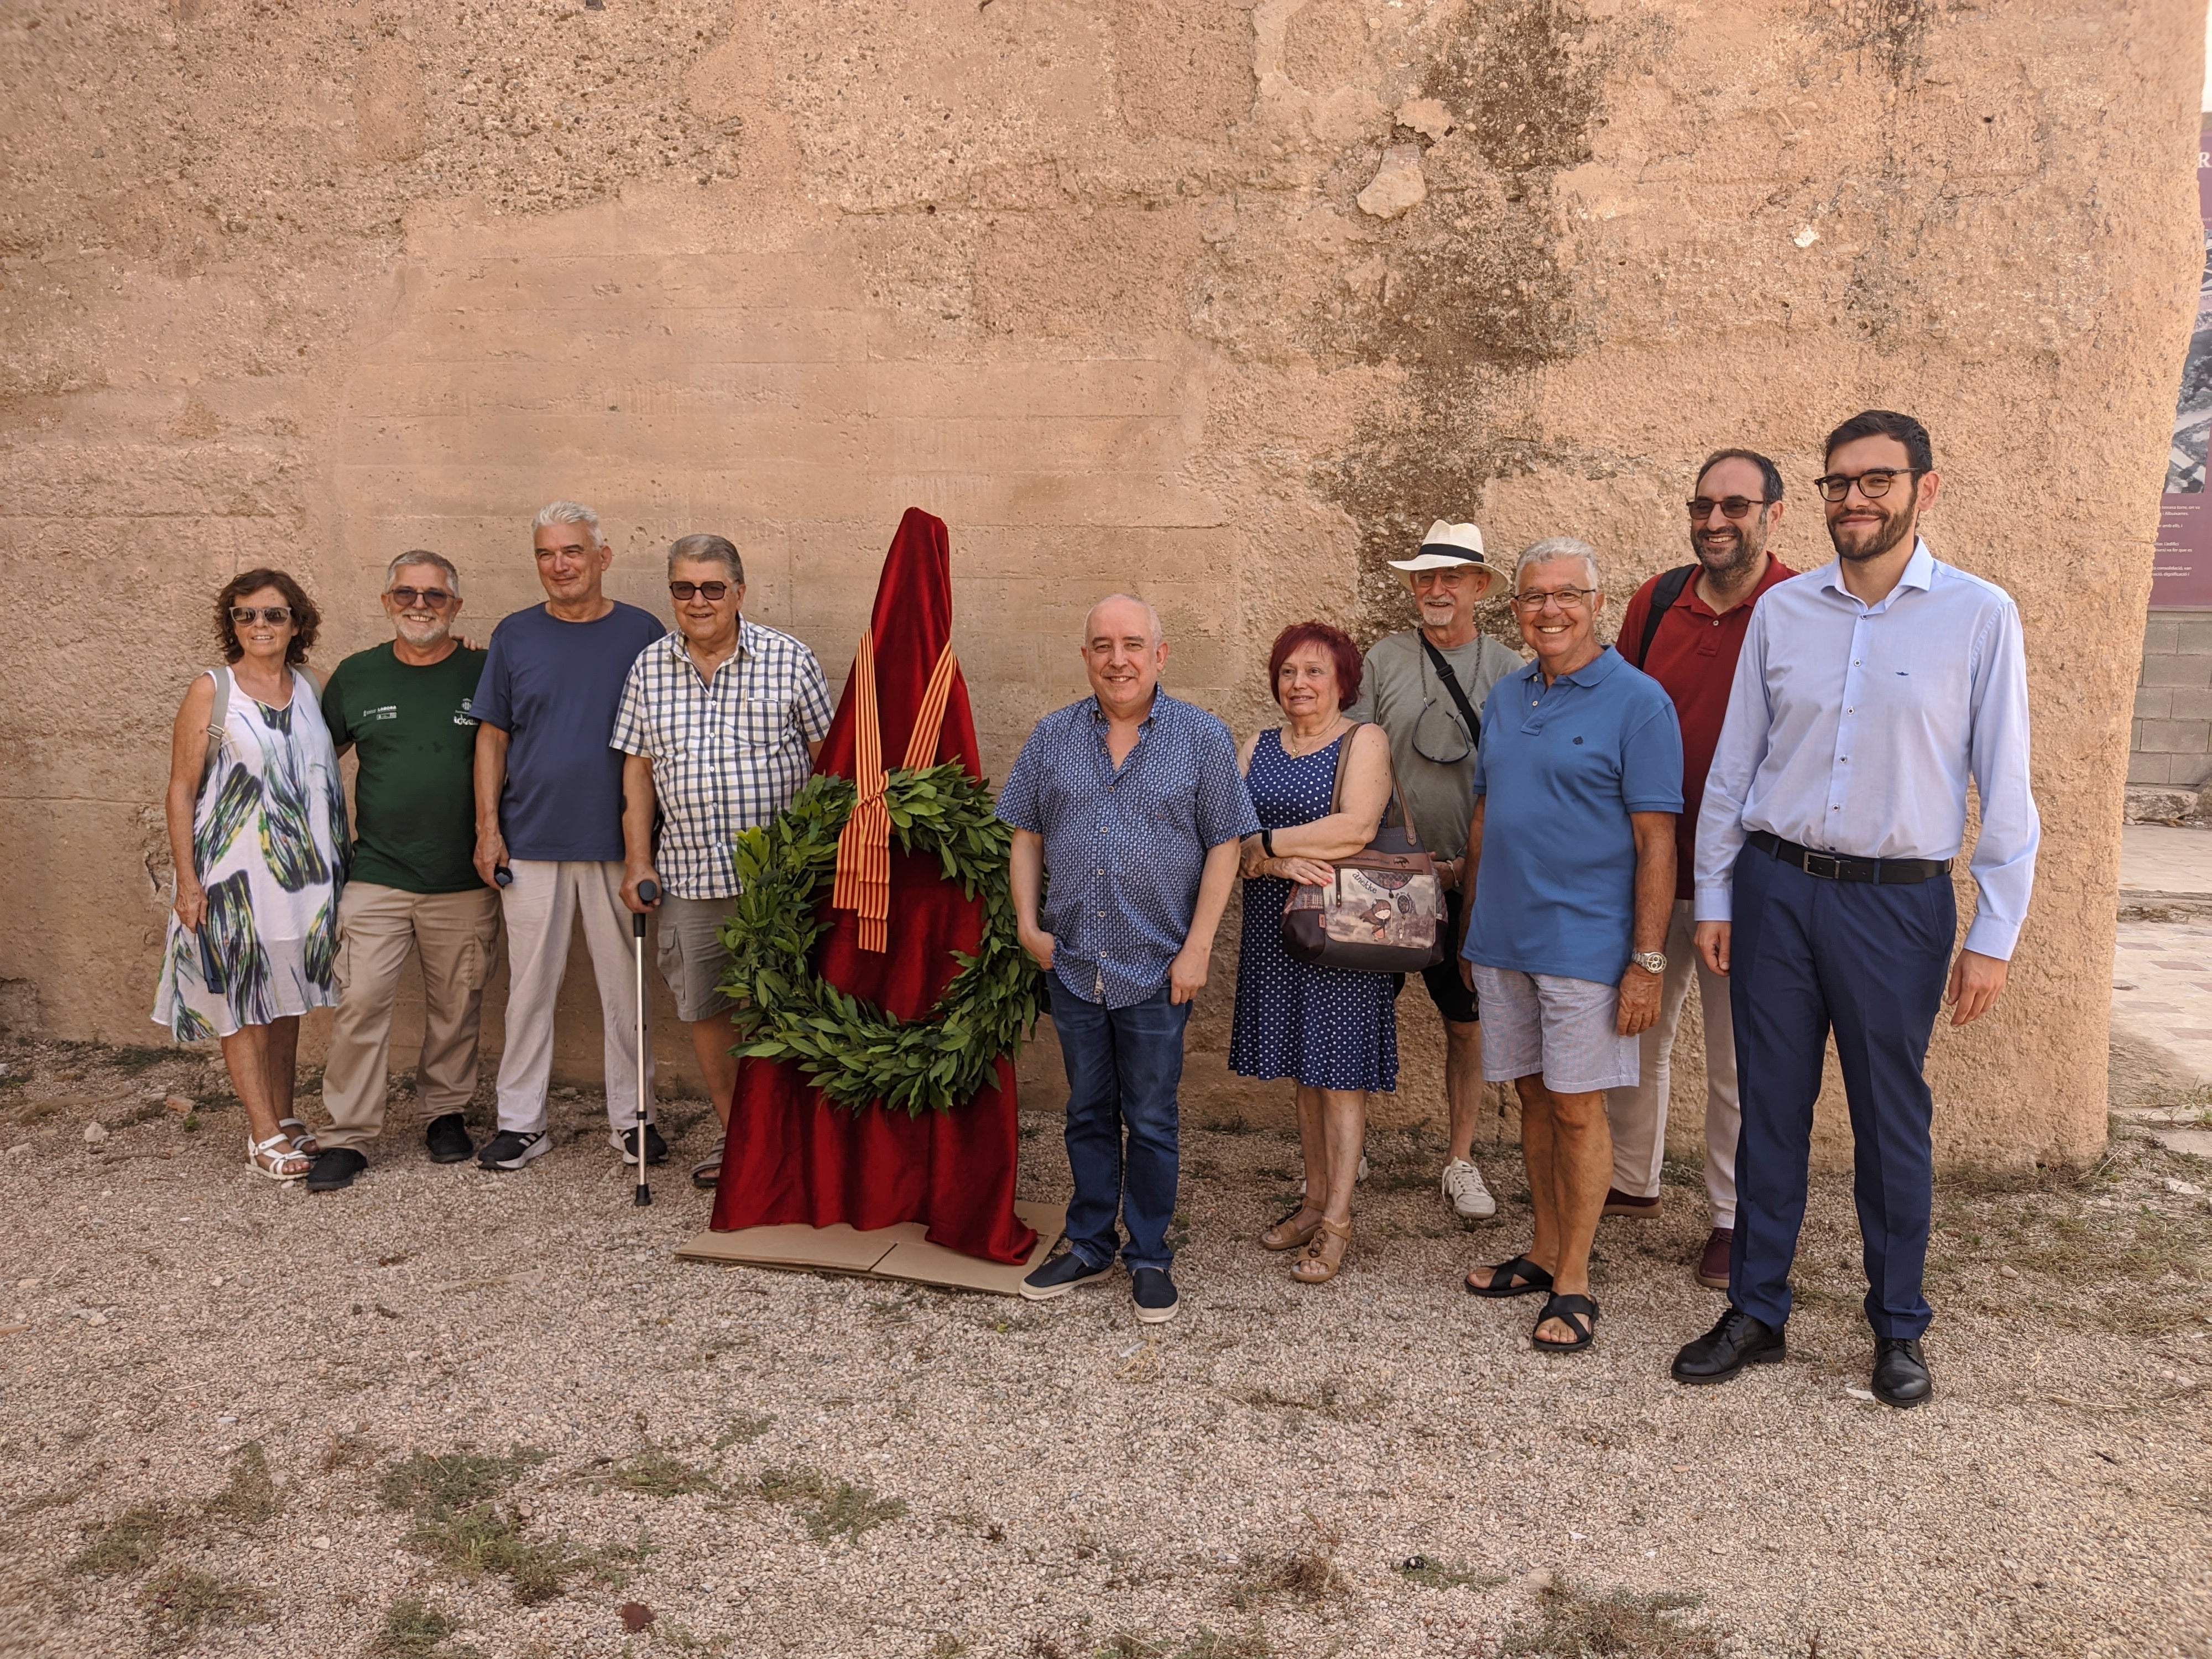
{"x": 1731, "y": 507}
{"x": 275, "y": 616}
{"x": 1567, "y": 599}
{"x": 433, "y": 598}
{"x": 712, "y": 593}
{"x": 1874, "y": 483}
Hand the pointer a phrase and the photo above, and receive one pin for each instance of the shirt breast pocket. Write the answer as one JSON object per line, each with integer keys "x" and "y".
{"x": 761, "y": 724}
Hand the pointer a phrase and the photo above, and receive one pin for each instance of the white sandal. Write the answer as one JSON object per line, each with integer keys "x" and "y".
{"x": 276, "y": 1165}
{"x": 303, "y": 1137}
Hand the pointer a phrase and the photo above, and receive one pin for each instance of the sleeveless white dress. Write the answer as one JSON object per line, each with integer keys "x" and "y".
{"x": 270, "y": 843}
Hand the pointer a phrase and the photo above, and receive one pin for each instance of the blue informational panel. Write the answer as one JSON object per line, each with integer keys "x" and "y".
{"x": 2181, "y": 577}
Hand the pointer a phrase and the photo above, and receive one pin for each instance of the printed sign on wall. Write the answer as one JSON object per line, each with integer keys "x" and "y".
{"x": 2181, "y": 573}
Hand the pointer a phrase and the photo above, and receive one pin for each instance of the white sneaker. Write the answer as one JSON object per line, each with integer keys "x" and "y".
{"x": 1358, "y": 1180}
{"x": 1463, "y": 1186}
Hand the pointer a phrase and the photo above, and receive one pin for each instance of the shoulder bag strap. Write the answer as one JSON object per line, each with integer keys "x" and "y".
{"x": 1436, "y": 661}
{"x": 314, "y": 685}
{"x": 1336, "y": 787}
{"x": 218, "y": 723}
{"x": 1664, "y": 597}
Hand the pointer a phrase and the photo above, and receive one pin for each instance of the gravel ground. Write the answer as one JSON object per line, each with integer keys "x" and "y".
{"x": 451, "y": 1412}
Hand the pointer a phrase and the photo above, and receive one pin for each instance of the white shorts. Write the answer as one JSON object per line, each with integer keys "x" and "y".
{"x": 1564, "y": 1029}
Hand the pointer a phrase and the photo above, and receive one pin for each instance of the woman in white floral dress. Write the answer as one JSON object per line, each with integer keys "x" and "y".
{"x": 257, "y": 830}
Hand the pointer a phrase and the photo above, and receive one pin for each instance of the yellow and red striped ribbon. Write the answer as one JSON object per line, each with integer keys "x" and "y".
{"x": 864, "y": 847}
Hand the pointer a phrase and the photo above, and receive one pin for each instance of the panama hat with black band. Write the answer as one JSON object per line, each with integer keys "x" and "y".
{"x": 1445, "y": 546}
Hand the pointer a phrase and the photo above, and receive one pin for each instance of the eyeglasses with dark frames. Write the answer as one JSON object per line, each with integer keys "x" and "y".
{"x": 435, "y": 598}
{"x": 275, "y": 615}
{"x": 1567, "y": 599}
{"x": 712, "y": 593}
{"x": 1874, "y": 483}
{"x": 1731, "y": 507}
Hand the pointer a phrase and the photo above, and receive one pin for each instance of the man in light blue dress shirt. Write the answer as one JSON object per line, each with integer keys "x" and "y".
{"x": 1868, "y": 695}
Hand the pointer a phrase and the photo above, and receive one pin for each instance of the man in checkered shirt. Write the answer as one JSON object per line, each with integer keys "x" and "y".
{"x": 719, "y": 722}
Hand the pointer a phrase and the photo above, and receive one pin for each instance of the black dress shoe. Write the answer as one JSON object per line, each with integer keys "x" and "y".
{"x": 1900, "y": 1372}
{"x": 334, "y": 1169}
{"x": 1738, "y": 1341}
{"x": 447, "y": 1137}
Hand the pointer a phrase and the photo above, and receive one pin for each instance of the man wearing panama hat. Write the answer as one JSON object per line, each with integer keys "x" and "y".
{"x": 1424, "y": 687}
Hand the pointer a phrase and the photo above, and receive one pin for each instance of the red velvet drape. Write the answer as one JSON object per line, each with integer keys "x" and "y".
{"x": 794, "y": 1157}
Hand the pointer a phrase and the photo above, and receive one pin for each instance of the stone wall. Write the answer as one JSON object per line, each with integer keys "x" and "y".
{"x": 2170, "y": 744}
{"x": 1218, "y": 301}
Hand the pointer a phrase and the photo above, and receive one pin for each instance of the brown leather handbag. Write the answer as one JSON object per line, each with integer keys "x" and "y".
{"x": 1384, "y": 913}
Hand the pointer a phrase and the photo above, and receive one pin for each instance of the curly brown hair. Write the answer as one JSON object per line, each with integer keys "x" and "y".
{"x": 306, "y": 619}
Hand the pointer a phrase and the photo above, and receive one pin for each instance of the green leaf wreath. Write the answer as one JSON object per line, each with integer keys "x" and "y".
{"x": 851, "y": 1050}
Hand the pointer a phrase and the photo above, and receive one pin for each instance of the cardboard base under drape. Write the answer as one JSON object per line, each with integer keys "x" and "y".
{"x": 902, "y": 1252}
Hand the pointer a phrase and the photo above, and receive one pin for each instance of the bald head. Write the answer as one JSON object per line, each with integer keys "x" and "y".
{"x": 1122, "y": 652}
{"x": 1118, "y": 614}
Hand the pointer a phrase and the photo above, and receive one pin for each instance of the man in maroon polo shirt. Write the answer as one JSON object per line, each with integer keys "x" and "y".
{"x": 1703, "y": 611}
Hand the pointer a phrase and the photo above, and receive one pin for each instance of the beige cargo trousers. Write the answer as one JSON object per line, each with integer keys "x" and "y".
{"x": 456, "y": 935}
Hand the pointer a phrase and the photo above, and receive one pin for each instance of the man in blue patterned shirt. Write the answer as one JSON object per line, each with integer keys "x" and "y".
{"x": 1131, "y": 801}
{"x": 718, "y": 726}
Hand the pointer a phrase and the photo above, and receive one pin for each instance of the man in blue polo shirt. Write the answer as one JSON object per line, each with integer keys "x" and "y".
{"x": 1570, "y": 887}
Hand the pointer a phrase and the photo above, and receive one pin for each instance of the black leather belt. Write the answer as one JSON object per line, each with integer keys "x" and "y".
{"x": 1835, "y": 866}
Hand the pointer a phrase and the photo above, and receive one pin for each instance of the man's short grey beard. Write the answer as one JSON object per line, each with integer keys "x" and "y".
{"x": 441, "y": 629}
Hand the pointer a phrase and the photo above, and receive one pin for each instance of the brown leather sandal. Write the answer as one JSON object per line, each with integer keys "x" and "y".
{"x": 1284, "y": 1236}
{"x": 1315, "y": 1268}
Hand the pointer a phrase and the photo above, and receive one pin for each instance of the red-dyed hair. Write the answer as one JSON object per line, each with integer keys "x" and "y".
{"x": 1334, "y": 640}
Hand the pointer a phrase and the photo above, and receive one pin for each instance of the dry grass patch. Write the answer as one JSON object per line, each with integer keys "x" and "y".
{"x": 129, "y": 1543}
{"x": 827, "y": 1508}
{"x": 1573, "y": 1623}
{"x": 741, "y": 1431}
{"x": 1434, "y": 1572}
{"x": 413, "y": 1629}
{"x": 1307, "y": 1576}
{"x": 460, "y": 1524}
{"x": 656, "y": 1472}
{"x": 251, "y": 1496}
{"x": 181, "y": 1603}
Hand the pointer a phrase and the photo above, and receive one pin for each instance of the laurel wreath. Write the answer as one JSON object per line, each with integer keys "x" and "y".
{"x": 851, "y": 1050}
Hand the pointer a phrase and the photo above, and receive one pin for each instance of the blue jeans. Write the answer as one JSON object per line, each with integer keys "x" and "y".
{"x": 1808, "y": 958}
{"x": 1123, "y": 1066}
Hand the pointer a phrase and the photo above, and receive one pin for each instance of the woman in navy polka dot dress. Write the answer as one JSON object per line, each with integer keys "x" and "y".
{"x": 1335, "y": 1032}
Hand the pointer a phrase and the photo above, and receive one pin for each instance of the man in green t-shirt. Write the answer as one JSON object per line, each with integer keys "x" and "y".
{"x": 1424, "y": 687}
{"x": 403, "y": 707}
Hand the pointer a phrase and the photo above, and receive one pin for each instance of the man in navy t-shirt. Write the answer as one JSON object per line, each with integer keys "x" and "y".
{"x": 549, "y": 811}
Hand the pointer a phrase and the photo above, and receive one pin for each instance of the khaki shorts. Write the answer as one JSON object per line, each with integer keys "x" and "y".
{"x": 691, "y": 957}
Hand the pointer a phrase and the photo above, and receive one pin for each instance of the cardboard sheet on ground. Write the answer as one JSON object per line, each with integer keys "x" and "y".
{"x": 900, "y": 1252}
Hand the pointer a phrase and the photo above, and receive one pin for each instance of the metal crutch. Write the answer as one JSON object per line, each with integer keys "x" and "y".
{"x": 648, "y": 893}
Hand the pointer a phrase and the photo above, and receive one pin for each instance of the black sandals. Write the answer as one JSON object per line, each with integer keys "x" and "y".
{"x": 1519, "y": 1277}
{"x": 1577, "y": 1313}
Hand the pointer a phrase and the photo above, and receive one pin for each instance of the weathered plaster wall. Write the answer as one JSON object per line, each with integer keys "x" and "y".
{"x": 309, "y": 283}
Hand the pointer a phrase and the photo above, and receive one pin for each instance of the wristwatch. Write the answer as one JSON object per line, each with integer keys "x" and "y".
{"x": 1652, "y": 962}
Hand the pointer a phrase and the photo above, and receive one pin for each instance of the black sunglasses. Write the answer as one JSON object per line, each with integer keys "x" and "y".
{"x": 712, "y": 593}
{"x": 1731, "y": 507}
{"x": 408, "y": 598}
